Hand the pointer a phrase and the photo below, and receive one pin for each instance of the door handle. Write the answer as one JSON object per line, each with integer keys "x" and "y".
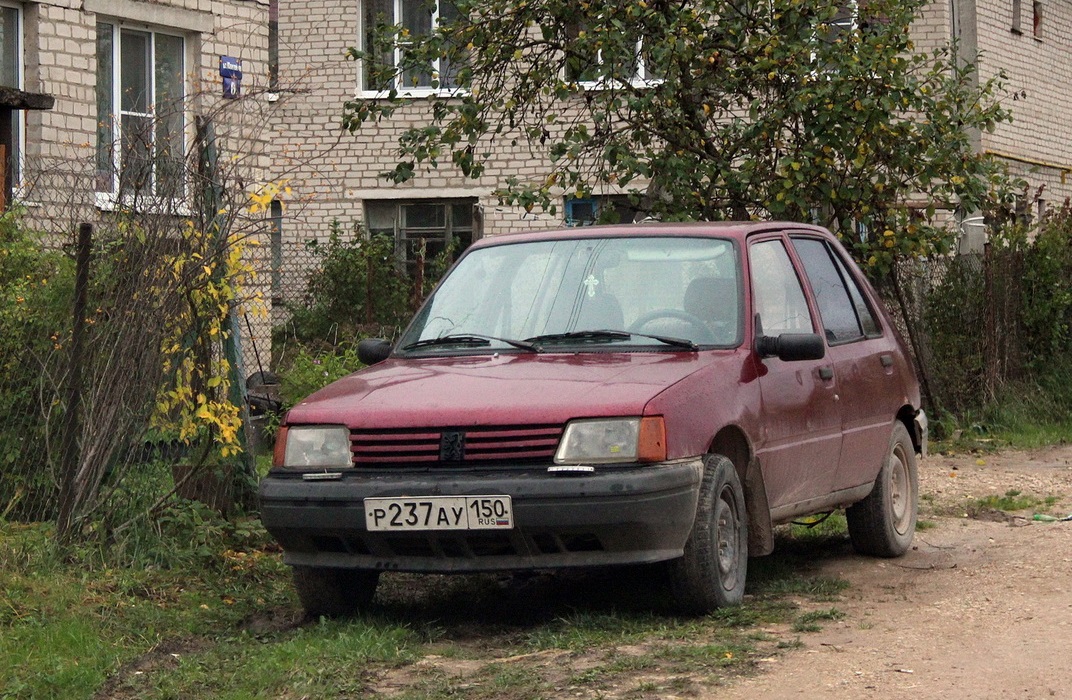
{"x": 886, "y": 360}
{"x": 826, "y": 373}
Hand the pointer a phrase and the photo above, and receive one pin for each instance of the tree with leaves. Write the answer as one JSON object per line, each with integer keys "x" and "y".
{"x": 700, "y": 110}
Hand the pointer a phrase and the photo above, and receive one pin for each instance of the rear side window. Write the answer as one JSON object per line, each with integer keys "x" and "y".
{"x": 842, "y": 305}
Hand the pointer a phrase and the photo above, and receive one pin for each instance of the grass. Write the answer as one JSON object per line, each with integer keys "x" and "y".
{"x": 809, "y": 621}
{"x": 199, "y": 607}
{"x": 1011, "y": 501}
{"x": 1024, "y": 415}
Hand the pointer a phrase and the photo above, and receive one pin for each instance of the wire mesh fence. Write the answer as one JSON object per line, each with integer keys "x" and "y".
{"x": 967, "y": 320}
{"x": 119, "y": 342}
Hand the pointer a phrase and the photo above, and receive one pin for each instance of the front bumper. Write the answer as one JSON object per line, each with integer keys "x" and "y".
{"x": 614, "y": 516}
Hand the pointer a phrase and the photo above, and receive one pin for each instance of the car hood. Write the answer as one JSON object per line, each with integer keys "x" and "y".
{"x": 501, "y": 389}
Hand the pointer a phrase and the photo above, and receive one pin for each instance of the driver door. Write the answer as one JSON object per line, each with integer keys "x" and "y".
{"x": 800, "y": 438}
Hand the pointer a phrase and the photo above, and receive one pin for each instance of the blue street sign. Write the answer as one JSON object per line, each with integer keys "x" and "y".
{"x": 231, "y": 72}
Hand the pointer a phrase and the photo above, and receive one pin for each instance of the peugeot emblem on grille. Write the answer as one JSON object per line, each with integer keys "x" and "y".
{"x": 452, "y": 446}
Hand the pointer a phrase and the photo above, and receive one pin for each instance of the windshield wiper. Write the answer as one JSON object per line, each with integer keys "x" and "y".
{"x": 670, "y": 340}
{"x": 469, "y": 339}
{"x": 603, "y": 336}
{"x": 608, "y": 336}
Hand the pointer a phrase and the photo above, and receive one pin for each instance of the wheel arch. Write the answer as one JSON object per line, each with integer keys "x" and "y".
{"x": 732, "y": 443}
{"x": 907, "y": 416}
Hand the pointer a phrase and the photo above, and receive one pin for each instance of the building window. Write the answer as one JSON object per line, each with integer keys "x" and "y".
{"x": 1036, "y": 25}
{"x": 1017, "y": 9}
{"x": 835, "y": 34}
{"x": 11, "y": 76}
{"x": 585, "y": 63}
{"x": 433, "y": 226}
{"x": 417, "y": 19}
{"x": 607, "y": 209}
{"x": 273, "y": 45}
{"x": 141, "y": 123}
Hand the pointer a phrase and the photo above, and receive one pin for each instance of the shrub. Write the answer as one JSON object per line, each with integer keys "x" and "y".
{"x": 308, "y": 370}
{"x": 1047, "y": 295}
{"x": 356, "y": 285}
{"x": 35, "y": 303}
{"x": 358, "y": 288}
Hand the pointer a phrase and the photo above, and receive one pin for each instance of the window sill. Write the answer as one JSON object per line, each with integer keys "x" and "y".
{"x": 109, "y": 202}
{"x": 411, "y": 94}
{"x": 600, "y": 85}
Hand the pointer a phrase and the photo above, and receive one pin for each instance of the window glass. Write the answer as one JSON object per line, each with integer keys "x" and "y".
{"x": 835, "y": 307}
{"x": 863, "y": 311}
{"x": 11, "y": 76}
{"x": 588, "y": 61}
{"x": 145, "y": 117}
{"x": 685, "y": 288}
{"x": 105, "y": 131}
{"x": 134, "y": 72}
{"x": 604, "y": 209}
{"x": 418, "y": 18}
{"x": 9, "y": 47}
{"x": 778, "y": 296}
{"x": 169, "y": 118}
{"x": 448, "y": 72}
{"x": 431, "y": 225}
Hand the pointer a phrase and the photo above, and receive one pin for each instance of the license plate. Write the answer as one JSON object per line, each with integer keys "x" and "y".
{"x": 439, "y": 513}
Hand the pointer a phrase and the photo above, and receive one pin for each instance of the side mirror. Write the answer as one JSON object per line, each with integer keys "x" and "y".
{"x": 792, "y": 347}
{"x": 373, "y": 350}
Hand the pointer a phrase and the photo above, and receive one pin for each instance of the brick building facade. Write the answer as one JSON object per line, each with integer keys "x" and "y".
{"x": 111, "y": 66}
{"x": 131, "y": 80}
{"x": 335, "y": 174}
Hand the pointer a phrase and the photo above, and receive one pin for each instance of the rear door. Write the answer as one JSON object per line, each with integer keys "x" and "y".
{"x": 862, "y": 357}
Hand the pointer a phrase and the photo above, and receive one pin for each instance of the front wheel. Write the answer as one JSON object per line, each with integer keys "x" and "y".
{"x": 711, "y": 573}
{"x": 334, "y": 592}
{"x": 882, "y": 525}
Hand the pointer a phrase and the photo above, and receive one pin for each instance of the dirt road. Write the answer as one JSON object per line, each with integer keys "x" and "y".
{"x": 980, "y": 608}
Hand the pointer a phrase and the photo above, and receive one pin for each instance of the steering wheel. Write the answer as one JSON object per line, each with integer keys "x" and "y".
{"x": 702, "y": 333}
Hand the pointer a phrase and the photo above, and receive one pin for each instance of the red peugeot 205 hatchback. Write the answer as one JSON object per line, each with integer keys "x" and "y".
{"x": 602, "y": 396}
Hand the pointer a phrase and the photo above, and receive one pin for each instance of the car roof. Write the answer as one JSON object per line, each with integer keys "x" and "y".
{"x": 738, "y": 230}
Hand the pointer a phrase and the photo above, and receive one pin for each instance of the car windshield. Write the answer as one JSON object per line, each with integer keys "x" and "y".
{"x": 585, "y": 294}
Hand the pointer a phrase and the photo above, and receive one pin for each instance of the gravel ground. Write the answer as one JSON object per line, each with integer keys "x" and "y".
{"x": 981, "y": 607}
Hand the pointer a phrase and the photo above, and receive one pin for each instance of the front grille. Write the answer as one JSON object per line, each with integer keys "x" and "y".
{"x": 431, "y": 446}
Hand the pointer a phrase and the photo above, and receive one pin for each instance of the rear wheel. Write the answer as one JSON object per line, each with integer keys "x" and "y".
{"x": 712, "y": 571}
{"x": 883, "y": 524}
{"x": 334, "y": 592}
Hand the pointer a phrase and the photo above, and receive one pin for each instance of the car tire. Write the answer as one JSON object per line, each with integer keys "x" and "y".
{"x": 333, "y": 592}
{"x": 883, "y": 524}
{"x": 711, "y": 573}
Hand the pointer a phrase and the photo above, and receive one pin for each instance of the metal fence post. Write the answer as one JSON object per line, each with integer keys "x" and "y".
{"x": 69, "y": 449}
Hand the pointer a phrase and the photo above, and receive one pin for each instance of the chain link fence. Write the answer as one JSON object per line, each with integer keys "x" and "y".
{"x": 118, "y": 343}
{"x": 968, "y": 321}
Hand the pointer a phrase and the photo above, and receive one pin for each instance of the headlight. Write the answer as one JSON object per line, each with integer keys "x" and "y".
{"x": 315, "y": 447}
{"x": 609, "y": 440}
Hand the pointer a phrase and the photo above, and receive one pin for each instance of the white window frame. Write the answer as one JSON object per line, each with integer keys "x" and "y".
{"x": 18, "y": 117}
{"x": 848, "y": 27}
{"x": 639, "y": 79}
{"x": 403, "y": 90}
{"x": 110, "y": 200}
